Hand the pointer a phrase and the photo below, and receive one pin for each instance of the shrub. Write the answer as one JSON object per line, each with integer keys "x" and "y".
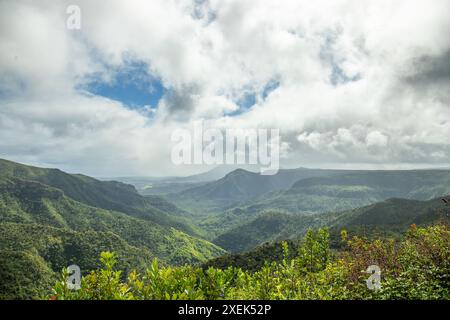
{"x": 418, "y": 267}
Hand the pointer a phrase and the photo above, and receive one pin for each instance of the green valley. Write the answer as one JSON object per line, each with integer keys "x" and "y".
{"x": 50, "y": 219}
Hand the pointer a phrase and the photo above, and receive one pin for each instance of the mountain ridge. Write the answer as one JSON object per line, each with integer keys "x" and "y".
{"x": 109, "y": 195}
{"x": 392, "y": 216}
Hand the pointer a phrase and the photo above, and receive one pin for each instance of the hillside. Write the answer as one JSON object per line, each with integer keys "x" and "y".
{"x": 411, "y": 184}
{"x": 241, "y": 196}
{"x": 414, "y": 267}
{"x": 109, "y": 195}
{"x": 391, "y": 216}
{"x": 269, "y": 226}
{"x": 32, "y": 255}
{"x": 393, "y": 212}
{"x": 24, "y": 201}
{"x": 240, "y": 186}
{"x": 43, "y": 229}
{"x": 345, "y": 191}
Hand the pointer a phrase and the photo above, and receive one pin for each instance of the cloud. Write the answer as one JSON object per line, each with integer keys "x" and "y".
{"x": 356, "y": 82}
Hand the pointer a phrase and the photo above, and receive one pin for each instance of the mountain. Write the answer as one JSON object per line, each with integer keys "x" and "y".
{"x": 394, "y": 213}
{"x": 240, "y": 186}
{"x": 167, "y": 185}
{"x": 386, "y": 219}
{"x": 269, "y": 226}
{"x": 391, "y": 216}
{"x": 31, "y": 202}
{"x": 413, "y": 184}
{"x": 49, "y": 218}
{"x": 44, "y": 229}
{"x": 241, "y": 196}
{"x": 348, "y": 190}
{"x": 215, "y": 174}
{"x": 109, "y": 195}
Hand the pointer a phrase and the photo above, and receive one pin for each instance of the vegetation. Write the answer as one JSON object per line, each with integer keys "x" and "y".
{"x": 241, "y": 196}
{"x": 26, "y": 202}
{"x": 31, "y": 256}
{"x": 43, "y": 229}
{"x": 108, "y": 195}
{"x": 387, "y": 218}
{"x": 254, "y": 259}
{"x": 418, "y": 267}
{"x": 50, "y": 219}
{"x": 269, "y": 226}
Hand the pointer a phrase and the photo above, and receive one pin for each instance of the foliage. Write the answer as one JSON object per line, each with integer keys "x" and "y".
{"x": 29, "y": 202}
{"x": 303, "y": 191}
{"x": 254, "y": 259}
{"x": 417, "y": 267}
{"x": 49, "y": 219}
{"x": 388, "y": 218}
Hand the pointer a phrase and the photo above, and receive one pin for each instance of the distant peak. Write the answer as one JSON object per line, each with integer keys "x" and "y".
{"x": 239, "y": 171}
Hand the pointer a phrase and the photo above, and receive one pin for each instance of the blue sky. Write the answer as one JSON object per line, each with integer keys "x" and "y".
{"x": 135, "y": 87}
{"x": 132, "y": 85}
{"x": 250, "y": 98}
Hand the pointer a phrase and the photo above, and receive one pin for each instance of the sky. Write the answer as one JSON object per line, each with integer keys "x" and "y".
{"x": 349, "y": 84}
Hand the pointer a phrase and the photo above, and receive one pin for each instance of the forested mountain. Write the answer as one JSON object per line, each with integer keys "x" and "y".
{"x": 412, "y": 184}
{"x": 240, "y": 186}
{"x": 42, "y": 225}
{"x": 109, "y": 195}
{"x": 394, "y": 212}
{"x": 242, "y": 196}
{"x": 387, "y": 217}
{"x": 25, "y": 201}
{"x": 167, "y": 185}
{"x": 269, "y": 226}
{"x": 349, "y": 190}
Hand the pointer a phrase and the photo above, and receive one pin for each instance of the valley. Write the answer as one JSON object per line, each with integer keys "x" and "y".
{"x": 50, "y": 219}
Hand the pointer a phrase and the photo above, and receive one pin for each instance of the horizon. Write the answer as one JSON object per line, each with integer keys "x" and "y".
{"x": 231, "y": 168}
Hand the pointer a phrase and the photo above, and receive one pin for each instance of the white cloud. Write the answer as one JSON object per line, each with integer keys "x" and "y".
{"x": 376, "y": 139}
{"x": 359, "y": 82}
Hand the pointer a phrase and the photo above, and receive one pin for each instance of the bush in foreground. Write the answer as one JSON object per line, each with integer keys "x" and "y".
{"x": 417, "y": 267}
